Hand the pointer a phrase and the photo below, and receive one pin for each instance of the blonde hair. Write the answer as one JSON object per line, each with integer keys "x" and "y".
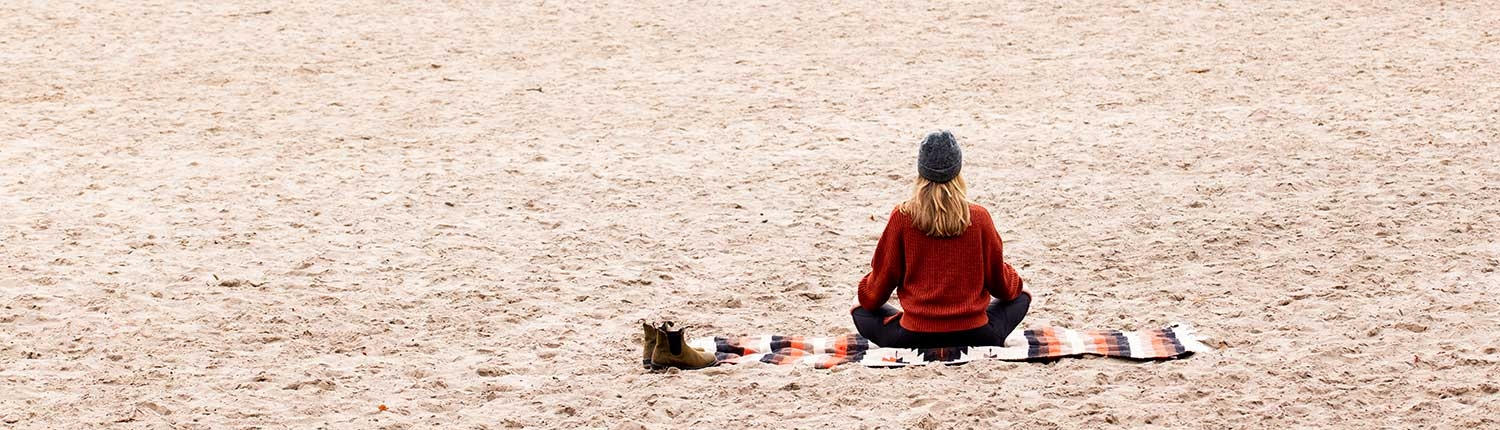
{"x": 938, "y": 209}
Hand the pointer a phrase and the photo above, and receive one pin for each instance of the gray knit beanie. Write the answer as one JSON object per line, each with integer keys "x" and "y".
{"x": 939, "y": 159}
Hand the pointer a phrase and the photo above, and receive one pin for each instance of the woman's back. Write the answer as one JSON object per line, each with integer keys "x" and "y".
{"x": 944, "y": 283}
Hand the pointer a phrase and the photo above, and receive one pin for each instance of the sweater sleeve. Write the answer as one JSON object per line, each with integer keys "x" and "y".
{"x": 887, "y": 267}
{"x": 1000, "y": 278}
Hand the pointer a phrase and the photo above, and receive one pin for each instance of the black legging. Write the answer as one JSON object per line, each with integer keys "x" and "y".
{"x": 1004, "y": 318}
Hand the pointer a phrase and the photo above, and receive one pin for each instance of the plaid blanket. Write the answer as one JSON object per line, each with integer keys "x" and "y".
{"x": 1039, "y": 344}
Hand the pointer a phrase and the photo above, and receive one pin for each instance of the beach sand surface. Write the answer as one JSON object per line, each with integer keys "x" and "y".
{"x": 296, "y": 214}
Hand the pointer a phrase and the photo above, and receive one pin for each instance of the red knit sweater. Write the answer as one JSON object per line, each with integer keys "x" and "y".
{"x": 944, "y": 283}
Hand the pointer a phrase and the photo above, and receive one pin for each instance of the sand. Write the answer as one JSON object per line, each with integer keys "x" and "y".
{"x": 288, "y": 214}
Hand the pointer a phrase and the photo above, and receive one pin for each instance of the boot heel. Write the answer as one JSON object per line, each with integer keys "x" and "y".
{"x": 650, "y": 336}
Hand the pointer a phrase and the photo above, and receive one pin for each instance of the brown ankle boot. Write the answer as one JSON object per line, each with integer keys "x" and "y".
{"x": 672, "y": 350}
{"x": 649, "y": 339}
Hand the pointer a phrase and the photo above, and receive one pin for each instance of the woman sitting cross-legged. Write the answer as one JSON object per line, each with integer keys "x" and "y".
{"x": 941, "y": 255}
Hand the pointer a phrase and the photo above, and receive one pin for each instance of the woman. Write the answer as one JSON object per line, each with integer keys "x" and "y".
{"x": 943, "y": 258}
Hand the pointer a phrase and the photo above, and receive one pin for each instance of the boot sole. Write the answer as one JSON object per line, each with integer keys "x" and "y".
{"x": 660, "y": 367}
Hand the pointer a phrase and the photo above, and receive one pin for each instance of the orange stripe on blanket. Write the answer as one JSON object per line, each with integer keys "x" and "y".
{"x": 1052, "y": 345}
{"x": 1100, "y": 342}
{"x": 789, "y": 356}
{"x": 1159, "y": 343}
